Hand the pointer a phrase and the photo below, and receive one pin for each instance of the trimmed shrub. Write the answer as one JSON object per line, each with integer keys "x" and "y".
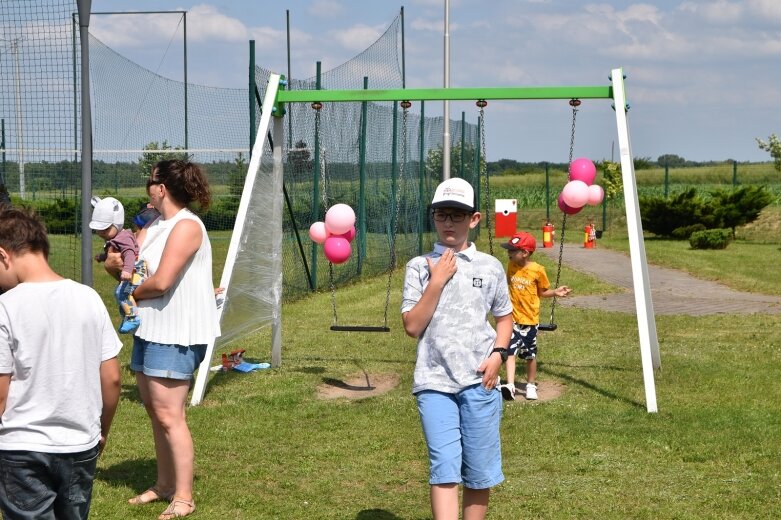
{"x": 684, "y": 232}
{"x": 711, "y": 239}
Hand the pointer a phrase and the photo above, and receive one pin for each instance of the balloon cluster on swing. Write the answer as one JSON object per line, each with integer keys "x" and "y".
{"x": 335, "y": 233}
{"x": 580, "y": 190}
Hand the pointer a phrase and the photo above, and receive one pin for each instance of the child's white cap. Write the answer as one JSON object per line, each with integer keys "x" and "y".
{"x": 454, "y": 193}
{"x": 107, "y": 212}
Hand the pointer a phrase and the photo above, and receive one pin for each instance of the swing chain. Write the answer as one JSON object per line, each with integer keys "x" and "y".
{"x": 574, "y": 103}
{"x": 405, "y": 105}
{"x": 482, "y": 103}
{"x": 317, "y": 106}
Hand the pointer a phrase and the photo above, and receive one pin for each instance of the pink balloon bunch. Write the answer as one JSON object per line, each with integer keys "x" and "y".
{"x": 580, "y": 190}
{"x": 335, "y": 233}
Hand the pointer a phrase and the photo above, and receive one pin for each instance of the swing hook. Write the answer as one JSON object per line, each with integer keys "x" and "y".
{"x": 481, "y": 103}
{"x": 574, "y": 103}
{"x": 317, "y": 105}
{"x": 406, "y": 104}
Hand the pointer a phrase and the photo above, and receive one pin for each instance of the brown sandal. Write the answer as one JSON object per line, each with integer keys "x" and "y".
{"x": 156, "y": 496}
{"x": 178, "y": 508}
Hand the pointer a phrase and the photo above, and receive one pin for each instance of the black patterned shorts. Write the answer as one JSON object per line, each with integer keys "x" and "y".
{"x": 524, "y": 341}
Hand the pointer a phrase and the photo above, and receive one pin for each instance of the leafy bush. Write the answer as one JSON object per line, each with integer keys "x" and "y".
{"x": 682, "y": 214}
{"x": 711, "y": 239}
{"x": 684, "y": 232}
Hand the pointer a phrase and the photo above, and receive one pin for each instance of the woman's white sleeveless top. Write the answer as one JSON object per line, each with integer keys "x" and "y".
{"x": 187, "y": 313}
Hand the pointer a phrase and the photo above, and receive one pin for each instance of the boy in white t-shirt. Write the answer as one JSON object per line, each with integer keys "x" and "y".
{"x": 59, "y": 378}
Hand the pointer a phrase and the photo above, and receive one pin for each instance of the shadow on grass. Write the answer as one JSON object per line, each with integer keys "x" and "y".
{"x": 376, "y": 514}
{"x": 136, "y": 474}
{"x": 585, "y": 384}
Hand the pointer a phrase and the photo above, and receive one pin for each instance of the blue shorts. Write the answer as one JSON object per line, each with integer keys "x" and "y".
{"x": 168, "y": 361}
{"x": 524, "y": 341}
{"x": 462, "y": 435}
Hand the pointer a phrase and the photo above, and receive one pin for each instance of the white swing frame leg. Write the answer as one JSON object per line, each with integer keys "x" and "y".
{"x": 646, "y": 323}
{"x": 234, "y": 248}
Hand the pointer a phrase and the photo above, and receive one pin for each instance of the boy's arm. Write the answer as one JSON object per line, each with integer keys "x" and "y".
{"x": 5, "y": 383}
{"x": 561, "y": 292}
{"x": 417, "y": 319}
{"x": 492, "y": 364}
{"x": 109, "y": 388}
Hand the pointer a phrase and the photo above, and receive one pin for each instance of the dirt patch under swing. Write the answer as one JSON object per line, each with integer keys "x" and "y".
{"x": 357, "y": 386}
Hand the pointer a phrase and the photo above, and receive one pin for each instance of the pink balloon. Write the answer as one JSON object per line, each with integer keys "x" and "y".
{"x": 337, "y": 249}
{"x": 575, "y": 194}
{"x": 318, "y": 233}
{"x": 350, "y": 235}
{"x": 566, "y": 209}
{"x": 339, "y": 219}
{"x": 582, "y": 169}
{"x": 595, "y": 194}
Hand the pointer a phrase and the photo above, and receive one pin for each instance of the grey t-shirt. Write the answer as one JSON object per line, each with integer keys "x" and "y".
{"x": 459, "y": 337}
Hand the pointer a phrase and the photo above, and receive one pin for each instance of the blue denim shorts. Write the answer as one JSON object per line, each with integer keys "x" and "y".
{"x": 168, "y": 361}
{"x": 524, "y": 341}
{"x": 462, "y": 435}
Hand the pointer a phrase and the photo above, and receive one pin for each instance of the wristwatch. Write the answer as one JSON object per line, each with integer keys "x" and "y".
{"x": 502, "y": 353}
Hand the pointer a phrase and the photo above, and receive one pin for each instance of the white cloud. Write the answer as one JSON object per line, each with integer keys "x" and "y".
{"x": 206, "y": 23}
{"x": 436, "y": 26}
{"x": 768, "y": 10}
{"x": 719, "y": 12}
{"x": 326, "y": 9}
{"x": 358, "y": 37}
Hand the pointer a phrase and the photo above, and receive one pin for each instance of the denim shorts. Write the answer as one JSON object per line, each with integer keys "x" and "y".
{"x": 168, "y": 361}
{"x": 462, "y": 435}
{"x": 47, "y": 486}
{"x": 524, "y": 341}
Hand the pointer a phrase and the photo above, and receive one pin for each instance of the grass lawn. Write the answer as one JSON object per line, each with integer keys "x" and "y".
{"x": 269, "y": 448}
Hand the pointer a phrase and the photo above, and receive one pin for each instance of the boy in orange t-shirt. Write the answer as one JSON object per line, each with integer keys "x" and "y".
{"x": 528, "y": 282}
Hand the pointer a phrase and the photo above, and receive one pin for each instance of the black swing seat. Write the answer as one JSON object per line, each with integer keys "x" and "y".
{"x": 548, "y": 327}
{"x": 358, "y": 328}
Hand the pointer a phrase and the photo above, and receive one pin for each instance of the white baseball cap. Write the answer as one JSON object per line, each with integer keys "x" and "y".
{"x": 454, "y": 193}
{"x": 107, "y": 212}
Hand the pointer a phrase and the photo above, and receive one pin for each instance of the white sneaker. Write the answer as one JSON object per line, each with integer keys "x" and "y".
{"x": 531, "y": 392}
{"x": 508, "y": 392}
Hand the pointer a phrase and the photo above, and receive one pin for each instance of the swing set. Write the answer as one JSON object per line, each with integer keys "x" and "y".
{"x": 275, "y": 100}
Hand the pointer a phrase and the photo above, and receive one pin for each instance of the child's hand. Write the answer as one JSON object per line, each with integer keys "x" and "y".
{"x": 442, "y": 271}
{"x": 490, "y": 370}
{"x": 126, "y": 276}
{"x": 562, "y": 291}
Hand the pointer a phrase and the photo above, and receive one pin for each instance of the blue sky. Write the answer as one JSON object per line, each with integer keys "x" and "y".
{"x": 702, "y": 76}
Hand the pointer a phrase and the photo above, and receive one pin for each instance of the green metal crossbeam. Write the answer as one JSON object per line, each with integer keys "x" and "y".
{"x": 451, "y": 94}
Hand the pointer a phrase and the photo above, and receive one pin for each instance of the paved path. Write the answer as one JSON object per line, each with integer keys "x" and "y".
{"x": 672, "y": 291}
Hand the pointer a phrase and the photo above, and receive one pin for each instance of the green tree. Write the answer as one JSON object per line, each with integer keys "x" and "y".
{"x": 156, "y": 154}
{"x": 612, "y": 182}
{"x": 236, "y": 176}
{"x": 735, "y": 208}
{"x": 434, "y": 161}
{"x": 772, "y": 145}
{"x": 670, "y": 159}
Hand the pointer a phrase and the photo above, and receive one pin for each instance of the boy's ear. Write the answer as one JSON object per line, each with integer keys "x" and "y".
{"x": 5, "y": 256}
{"x": 474, "y": 220}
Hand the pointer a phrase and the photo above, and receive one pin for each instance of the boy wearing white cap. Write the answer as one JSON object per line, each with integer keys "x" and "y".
{"x": 108, "y": 220}
{"x": 447, "y": 297}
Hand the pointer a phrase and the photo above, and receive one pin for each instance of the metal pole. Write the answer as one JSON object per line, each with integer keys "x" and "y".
{"x": 19, "y": 117}
{"x": 463, "y": 141}
{"x": 186, "y": 140}
{"x": 734, "y": 173}
{"x": 289, "y": 82}
{"x": 403, "y": 61}
{"x": 251, "y": 92}
{"x": 2, "y": 147}
{"x": 547, "y": 192}
{"x": 446, "y": 115}
{"x": 75, "y": 107}
{"x": 86, "y": 146}
{"x": 362, "y": 180}
{"x": 422, "y": 196}
{"x": 666, "y": 179}
{"x": 316, "y": 179}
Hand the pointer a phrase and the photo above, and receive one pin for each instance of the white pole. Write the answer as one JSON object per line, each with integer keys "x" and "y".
{"x": 646, "y": 323}
{"x": 19, "y": 117}
{"x": 238, "y": 230}
{"x": 446, "y": 109}
{"x": 85, "y": 7}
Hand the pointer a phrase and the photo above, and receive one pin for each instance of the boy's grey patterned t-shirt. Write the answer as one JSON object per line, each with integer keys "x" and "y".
{"x": 458, "y": 337}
